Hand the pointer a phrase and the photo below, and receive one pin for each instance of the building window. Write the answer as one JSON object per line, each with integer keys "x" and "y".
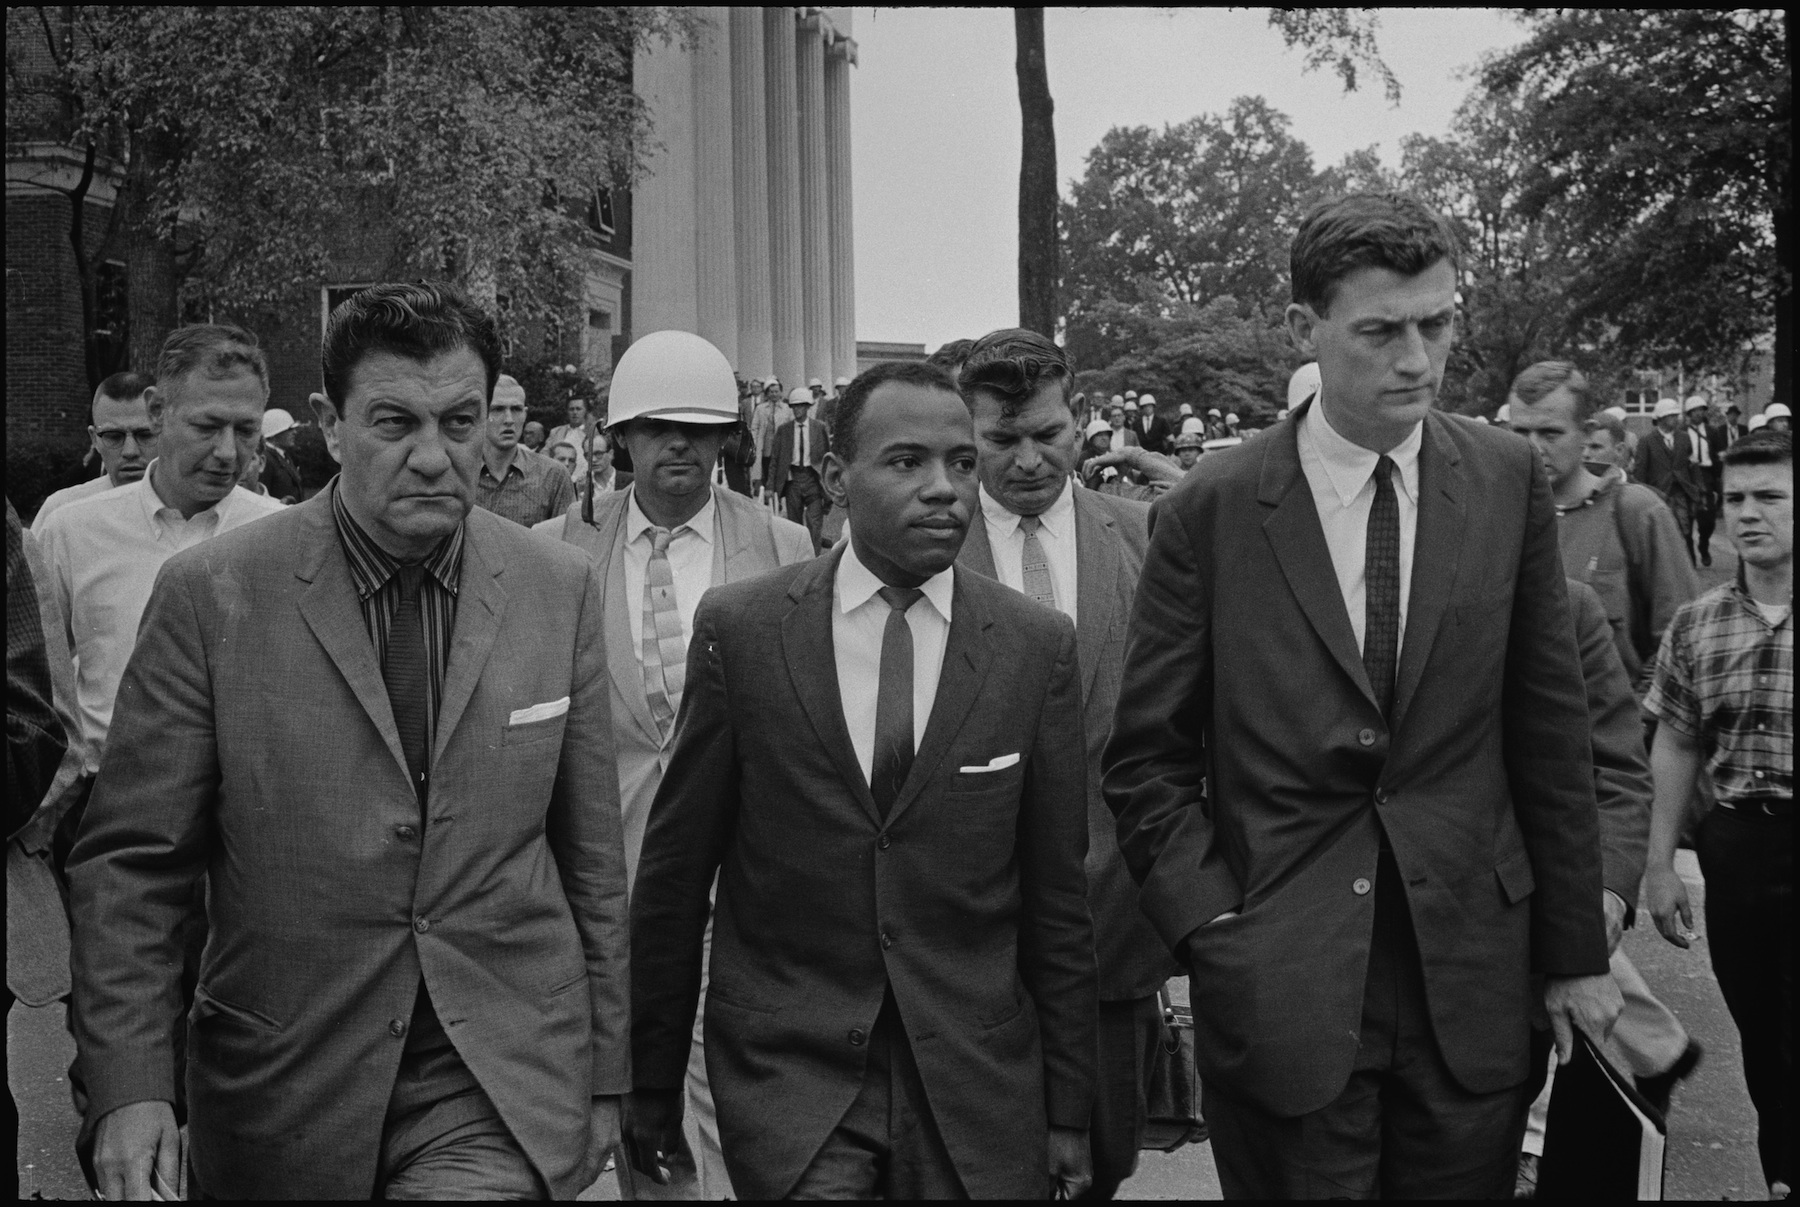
{"x": 111, "y": 313}
{"x": 600, "y": 320}
{"x": 333, "y": 296}
{"x": 1640, "y": 402}
{"x": 600, "y": 211}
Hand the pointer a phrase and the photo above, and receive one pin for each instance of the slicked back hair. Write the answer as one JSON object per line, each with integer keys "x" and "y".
{"x": 1395, "y": 231}
{"x": 1537, "y": 382}
{"x": 213, "y": 350}
{"x": 123, "y": 387}
{"x": 855, "y": 398}
{"x": 1012, "y": 364}
{"x": 417, "y": 321}
{"x": 952, "y": 355}
{"x": 1761, "y": 447}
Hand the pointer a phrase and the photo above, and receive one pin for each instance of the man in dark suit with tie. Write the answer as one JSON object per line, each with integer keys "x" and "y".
{"x": 1078, "y": 551}
{"x": 1152, "y": 429}
{"x": 879, "y": 757}
{"x": 1663, "y": 464}
{"x": 795, "y": 464}
{"x": 1350, "y": 762}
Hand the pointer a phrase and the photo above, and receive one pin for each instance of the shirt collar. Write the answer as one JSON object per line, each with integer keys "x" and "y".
{"x": 154, "y": 506}
{"x": 1053, "y": 519}
{"x": 857, "y": 584}
{"x": 637, "y": 524}
{"x": 512, "y": 462}
{"x": 1349, "y": 466}
{"x": 371, "y": 566}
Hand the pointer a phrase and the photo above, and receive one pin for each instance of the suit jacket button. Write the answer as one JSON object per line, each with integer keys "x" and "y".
{"x": 1381, "y": 796}
{"x": 1366, "y": 737}
{"x": 396, "y": 1028}
{"x": 421, "y": 924}
{"x": 884, "y": 842}
{"x": 887, "y": 940}
{"x": 405, "y": 832}
{"x": 857, "y": 1037}
{"x": 1361, "y": 886}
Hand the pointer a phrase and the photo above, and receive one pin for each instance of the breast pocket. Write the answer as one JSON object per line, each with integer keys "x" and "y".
{"x": 534, "y": 731}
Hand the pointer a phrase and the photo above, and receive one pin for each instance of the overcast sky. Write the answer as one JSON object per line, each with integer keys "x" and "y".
{"x": 935, "y": 115}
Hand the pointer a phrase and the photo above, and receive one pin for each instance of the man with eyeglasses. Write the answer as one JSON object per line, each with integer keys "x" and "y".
{"x": 121, "y": 434}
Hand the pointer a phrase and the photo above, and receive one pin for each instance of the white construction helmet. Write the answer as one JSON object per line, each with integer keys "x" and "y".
{"x": 1096, "y": 426}
{"x": 1146, "y": 400}
{"x": 1777, "y": 410}
{"x": 799, "y": 396}
{"x": 1757, "y": 422}
{"x": 1666, "y": 407}
{"x": 1193, "y": 425}
{"x": 674, "y": 376}
{"x": 1504, "y": 414}
{"x": 276, "y": 421}
{"x": 1303, "y": 384}
{"x": 1695, "y": 402}
{"x": 1616, "y": 412}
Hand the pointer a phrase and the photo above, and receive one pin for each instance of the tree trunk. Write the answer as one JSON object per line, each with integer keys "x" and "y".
{"x": 1038, "y": 251}
{"x": 1783, "y": 391}
{"x": 153, "y": 283}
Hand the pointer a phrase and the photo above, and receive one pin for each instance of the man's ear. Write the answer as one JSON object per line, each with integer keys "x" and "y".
{"x": 831, "y": 477}
{"x": 1300, "y": 323}
{"x": 328, "y": 423}
{"x": 155, "y": 407}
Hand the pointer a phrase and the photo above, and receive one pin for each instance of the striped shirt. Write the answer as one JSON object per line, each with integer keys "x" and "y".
{"x": 1725, "y": 677}
{"x": 374, "y": 571}
{"x": 529, "y": 491}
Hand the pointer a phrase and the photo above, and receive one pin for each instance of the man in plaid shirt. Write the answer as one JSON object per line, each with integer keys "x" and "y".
{"x": 1723, "y": 689}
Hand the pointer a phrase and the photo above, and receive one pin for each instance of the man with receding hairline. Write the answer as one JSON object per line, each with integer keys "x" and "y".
{"x": 122, "y": 436}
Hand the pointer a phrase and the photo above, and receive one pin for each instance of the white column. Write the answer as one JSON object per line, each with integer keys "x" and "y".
{"x": 662, "y": 238}
{"x": 750, "y": 190}
{"x": 837, "y": 179}
{"x": 785, "y": 307}
{"x": 815, "y": 224}
{"x": 714, "y": 232}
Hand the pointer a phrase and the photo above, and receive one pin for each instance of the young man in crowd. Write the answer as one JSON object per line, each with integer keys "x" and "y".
{"x": 514, "y": 482}
{"x": 1079, "y": 552}
{"x": 1723, "y": 690}
{"x": 1703, "y": 472}
{"x": 880, "y": 763}
{"x": 659, "y": 546}
{"x": 122, "y": 435}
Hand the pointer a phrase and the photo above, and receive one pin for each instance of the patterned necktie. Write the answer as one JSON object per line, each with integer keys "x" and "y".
{"x": 1034, "y": 566}
{"x": 1381, "y": 587}
{"x": 894, "y": 702}
{"x": 664, "y": 649}
{"x": 405, "y": 672}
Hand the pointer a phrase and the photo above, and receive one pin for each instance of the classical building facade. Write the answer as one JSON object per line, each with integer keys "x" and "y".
{"x": 743, "y": 223}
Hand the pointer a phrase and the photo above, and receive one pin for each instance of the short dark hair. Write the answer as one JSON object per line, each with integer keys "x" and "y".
{"x": 1013, "y": 364}
{"x": 1395, "y": 231}
{"x": 1761, "y": 447}
{"x": 417, "y": 321}
{"x": 951, "y": 355}
{"x": 856, "y": 396}
{"x": 1537, "y": 382}
{"x": 123, "y": 387}
{"x": 214, "y": 349}
{"x": 1612, "y": 425}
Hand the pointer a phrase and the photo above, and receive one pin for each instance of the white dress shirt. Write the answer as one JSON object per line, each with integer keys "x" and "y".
{"x": 690, "y": 562}
{"x": 1056, "y": 533}
{"x": 1699, "y": 451}
{"x": 857, "y": 621}
{"x": 802, "y": 447}
{"x": 104, "y": 553}
{"x": 1342, "y": 477}
{"x": 67, "y": 495}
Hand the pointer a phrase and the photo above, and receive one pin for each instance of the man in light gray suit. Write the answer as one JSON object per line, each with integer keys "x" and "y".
{"x": 1078, "y": 551}
{"x": 660, "y": 545}
{"x": 403, "y": 800}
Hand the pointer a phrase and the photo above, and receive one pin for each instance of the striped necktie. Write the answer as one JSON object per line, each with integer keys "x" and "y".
{"x": 405, "y": 673}
{"x": 1035, "y": 567}
{"x": 664, "y": 649}
{"x": 1381, "y": 587}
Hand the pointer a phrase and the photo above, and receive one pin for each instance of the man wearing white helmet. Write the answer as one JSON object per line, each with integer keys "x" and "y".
{"x": 514, "y": 482}
{"x": 1301, "y": 386}
{"x": 1663, "y": 464}
{"x": 765, "y": 420}
{"x": 795, "y": 461}
{"x": 280, "y": 478}
{"x": 1703, "y": 462}
{"x": 1757, "y": 423}
{"x": 1152, "y": 429}
{"x": 661, "y": 544}
{"x": 1777, "y": 417}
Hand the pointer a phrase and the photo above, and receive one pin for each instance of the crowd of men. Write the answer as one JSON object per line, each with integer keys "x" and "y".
{"x": 489, "y": 814}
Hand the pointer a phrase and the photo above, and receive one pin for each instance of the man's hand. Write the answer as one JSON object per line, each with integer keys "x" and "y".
{"x": 1071, "y": 1167}
{"x": 653, "y": 1131}
{"x": 132, "y": 1141}
{"x": 1589, "y": 1002}
{"x": 1155, "y": 467}
{"x": 607, "y": 1110}
{"x": 1667, "y": 897}
{"x": 1614, "y": 905}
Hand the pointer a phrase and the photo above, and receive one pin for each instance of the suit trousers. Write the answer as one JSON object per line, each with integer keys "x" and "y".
{"x": 443, "y": 1138}
{"x": 887, "y": 1145}
{"x": 1129, "y": 1034}
{"x": 806, "y": 501}
{"x": 1748, "y": 861}
{"x": 1402, "y": 1128}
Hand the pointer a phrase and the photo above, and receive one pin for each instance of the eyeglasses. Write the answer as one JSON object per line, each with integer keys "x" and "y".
{"x": 114, "y": 438}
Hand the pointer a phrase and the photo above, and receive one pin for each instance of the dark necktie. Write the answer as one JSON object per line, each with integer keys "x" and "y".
{"x": 1381, "y": 587}
{"x": 405, "y": 673}
{"x": 894, "y": 702}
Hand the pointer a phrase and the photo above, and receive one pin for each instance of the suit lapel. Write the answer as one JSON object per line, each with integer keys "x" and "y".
{"x": 977, "y": 554}
{"x": 1437, "y": 551}
{"x": 967, "y": 656}
{"x": 480, "y": 603}
{"x": 333, "y": 612}
{"x": 812, "y": 665}
{"x": 738, "y": 538}
{"x": 1294, "y": 533}
{"x": 1097, "y": 580}
{"x": 622, "y": 660}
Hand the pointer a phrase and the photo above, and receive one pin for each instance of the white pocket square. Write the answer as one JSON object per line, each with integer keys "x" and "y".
{"x": 539, "y": 712}
{"x": 1000, "y": 763}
